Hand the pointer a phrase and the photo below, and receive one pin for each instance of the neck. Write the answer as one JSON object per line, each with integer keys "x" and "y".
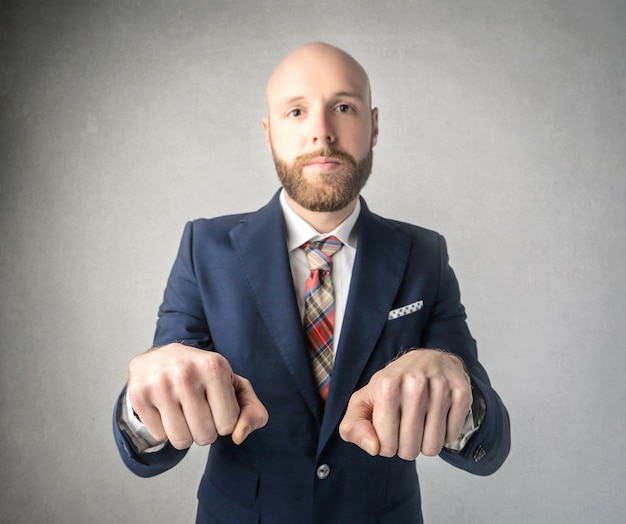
{"x": 322, "y": 222}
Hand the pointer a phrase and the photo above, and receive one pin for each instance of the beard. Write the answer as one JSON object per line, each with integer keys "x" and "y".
{"x": 331, "y": 191}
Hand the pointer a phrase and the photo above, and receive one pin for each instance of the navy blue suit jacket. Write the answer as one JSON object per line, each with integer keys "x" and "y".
{"x": 231, "y": 291}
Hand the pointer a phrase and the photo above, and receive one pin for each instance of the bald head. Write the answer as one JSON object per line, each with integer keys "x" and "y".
{"x": 312, "y": 65}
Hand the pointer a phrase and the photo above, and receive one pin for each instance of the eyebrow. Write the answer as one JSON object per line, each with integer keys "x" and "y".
{"x": 341, "y": 94}
{"x": 349, "y": 94}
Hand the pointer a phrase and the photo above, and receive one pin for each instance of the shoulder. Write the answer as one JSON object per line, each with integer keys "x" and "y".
{"x": 414, "y": 230}
{"x": 423, "y": 246}
{"x": 223, "y": 225}
{"x": 204, "y": 236}
{"x": 217, "y": 224}
{"x": 418, "y": 235}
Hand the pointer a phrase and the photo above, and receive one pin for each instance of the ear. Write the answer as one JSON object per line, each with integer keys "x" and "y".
{"x": 374, "y": 126}
{"x": 266, "y": 129}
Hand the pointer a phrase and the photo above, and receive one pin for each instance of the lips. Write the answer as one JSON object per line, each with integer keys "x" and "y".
{"x": 324, "y": 163}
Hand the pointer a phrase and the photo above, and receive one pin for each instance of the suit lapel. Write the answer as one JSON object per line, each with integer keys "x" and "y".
{"x": 259, "y": 241}
{"x": 382, "y": 255}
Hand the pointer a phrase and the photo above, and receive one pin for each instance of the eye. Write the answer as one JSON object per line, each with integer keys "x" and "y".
{"x": 294, "y": 113}
{"x": 344, "y": 108}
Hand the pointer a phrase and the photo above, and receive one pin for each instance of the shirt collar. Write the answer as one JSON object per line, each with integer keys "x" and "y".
{"x": 299, "y": 231}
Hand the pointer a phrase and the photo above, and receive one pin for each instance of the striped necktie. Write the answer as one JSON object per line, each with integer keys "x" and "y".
{"x": 319, "y": 309}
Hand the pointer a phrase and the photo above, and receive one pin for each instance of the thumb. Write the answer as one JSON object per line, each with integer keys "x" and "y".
{"x": 252, "y": 415}
{"x": 356, "y": 426}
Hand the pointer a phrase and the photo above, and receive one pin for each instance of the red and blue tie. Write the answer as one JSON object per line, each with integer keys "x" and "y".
{"x": 319, "y": 309}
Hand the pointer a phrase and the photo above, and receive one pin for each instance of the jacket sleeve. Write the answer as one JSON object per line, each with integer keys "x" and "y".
{"x": 181, "y": 319}
{"x": 447, "y": 329}
{"x": 181, "y": 315}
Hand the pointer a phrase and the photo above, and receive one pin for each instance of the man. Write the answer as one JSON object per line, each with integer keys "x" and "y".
{"x": 318, "y": 347}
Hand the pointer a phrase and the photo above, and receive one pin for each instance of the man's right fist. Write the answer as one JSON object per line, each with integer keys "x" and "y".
{"x": 185, "y": 395}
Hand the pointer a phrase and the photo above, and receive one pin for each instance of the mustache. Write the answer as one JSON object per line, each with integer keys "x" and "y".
{"x": 327, "y": 152}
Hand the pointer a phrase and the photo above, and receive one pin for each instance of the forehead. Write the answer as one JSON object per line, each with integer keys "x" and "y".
{"x": 315, "y": 72}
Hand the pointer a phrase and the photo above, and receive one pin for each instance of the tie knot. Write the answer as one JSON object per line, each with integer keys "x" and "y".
{"x": 319, "y": 253}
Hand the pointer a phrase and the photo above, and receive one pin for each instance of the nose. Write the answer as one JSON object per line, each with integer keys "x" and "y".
{"x": 322, "y": 130}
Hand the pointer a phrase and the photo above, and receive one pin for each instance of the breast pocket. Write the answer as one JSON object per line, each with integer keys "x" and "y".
{"x": 412, "y": 322}
{"x": 401, "y": 334}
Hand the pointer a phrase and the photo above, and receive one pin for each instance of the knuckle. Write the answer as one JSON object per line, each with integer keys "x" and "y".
{"x": 388, "y": 446}
{"x": 262, "y": 418}
{"x": 439, "y": 383}
{"x": 345, "y": 430}
{"x": 137, "y": 395}
{"x": 226, "y": 427}
{"x": 215, "y": 365}
{"x": 408, "y": 454}
{"x": 140, "y": 397}
{"x": 431, "y": 451}
{"x": 387, "y": 451}
{"x": 183, "y": 375}
{"x": 158, "y": 434}
{"x": 244, "y": 382}
{"x": 463, "y": 396}
{"x": 255, "y": 416}
{"x": 206, "y": 440}
{"x": 388, "y": 387}
{"x": 180, "y": 443}
{"x": 136, "y": 364}
{"x": 415, "y": 386}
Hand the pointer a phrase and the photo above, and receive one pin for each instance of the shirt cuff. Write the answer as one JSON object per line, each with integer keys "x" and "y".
{"x": 141, "y": 438}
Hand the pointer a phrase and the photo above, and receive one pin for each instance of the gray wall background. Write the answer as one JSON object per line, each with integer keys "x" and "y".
{"x": 502, "y": 126}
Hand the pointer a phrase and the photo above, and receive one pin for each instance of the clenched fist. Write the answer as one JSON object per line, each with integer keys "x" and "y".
{"x": 414, "y": 405}
{"x": 187, "y": 395}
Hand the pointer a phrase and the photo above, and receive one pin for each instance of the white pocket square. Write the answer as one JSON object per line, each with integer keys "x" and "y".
{"x": 405, "y": 310}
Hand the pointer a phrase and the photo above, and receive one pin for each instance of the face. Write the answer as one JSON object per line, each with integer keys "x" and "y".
{"x": 320, "y": 128}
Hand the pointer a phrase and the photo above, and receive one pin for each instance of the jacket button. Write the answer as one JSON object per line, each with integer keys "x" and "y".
{"x": 322, "y": 471}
